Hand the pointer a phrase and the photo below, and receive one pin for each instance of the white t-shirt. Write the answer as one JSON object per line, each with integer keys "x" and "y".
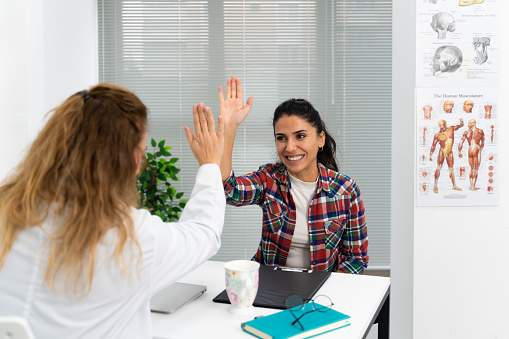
{"x": 115, "y": 307}
{"x": 302, "y": 193}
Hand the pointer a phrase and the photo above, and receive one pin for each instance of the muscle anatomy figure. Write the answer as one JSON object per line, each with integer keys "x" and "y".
{"x": 427, "y": 111}
{"x": 448, "y": 106}
{"x": 467, "y": 106}
{"x": 475, "y": 138}
{"x": 424, "y": 135}
{"x": 444, "y": 138}
{"x": 447, "y": 59}
{"x": 492, "y": 128}
{"x": 442, "y": 23}
{"x": 470, "y": 2}
{"x": 487, "y": 111}
{"x": 480, "y": 47}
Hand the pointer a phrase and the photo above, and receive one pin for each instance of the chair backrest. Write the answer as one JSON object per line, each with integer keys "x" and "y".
{"x": 15, "y": 328}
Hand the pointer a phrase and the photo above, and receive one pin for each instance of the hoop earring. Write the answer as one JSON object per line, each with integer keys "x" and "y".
{"x": 320, "y": 148}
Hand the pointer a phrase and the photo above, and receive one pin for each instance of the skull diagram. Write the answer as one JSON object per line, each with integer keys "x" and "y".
{"x": 442, "y": 23}
{"x": 447, "y": 59}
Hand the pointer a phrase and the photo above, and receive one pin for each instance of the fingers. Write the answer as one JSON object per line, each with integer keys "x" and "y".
{"x": 220, "y": 126}
{"x": 196, "y": 119}
{"x": 234, "y": 87}
{"x": 204, "y": 119}
{"x": 228, "y": 89}
{"x": 210, "y": 125}
{"x": 239, "y": 88}
{"x": 221, "y": 96}
{"x": 233, "y": 90}
{"x": 207, "y": 145}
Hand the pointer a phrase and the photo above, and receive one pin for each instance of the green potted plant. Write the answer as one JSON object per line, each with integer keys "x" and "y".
{"x": 157, "y": 195}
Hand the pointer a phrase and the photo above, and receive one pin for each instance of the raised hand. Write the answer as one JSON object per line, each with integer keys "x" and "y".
{"x": 207, "y": 145}
{"x": 231, "y": 104}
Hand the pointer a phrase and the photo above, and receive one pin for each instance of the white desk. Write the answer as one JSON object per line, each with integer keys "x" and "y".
{"x": 361, "y": 297}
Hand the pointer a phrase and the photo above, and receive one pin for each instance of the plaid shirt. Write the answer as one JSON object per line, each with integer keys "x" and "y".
{"x": 337, "y": 230}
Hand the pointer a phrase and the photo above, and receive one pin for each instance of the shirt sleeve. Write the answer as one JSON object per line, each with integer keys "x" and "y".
{"x": 244, "y": 190}
{"x": 179, "y": 247}
{"x": 353, "y": 249}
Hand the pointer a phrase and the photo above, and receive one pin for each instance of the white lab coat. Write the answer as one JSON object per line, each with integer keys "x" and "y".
{"x": 116, "y": 307}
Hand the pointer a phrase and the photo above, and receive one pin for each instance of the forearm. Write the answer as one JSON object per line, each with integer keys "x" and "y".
{"x": 353, "y": 251}
{"x": 179, "y": 247}
{"x": 353, "y": 248}
{"x": 226, "y": 160}
{"x": 353, "y": 265}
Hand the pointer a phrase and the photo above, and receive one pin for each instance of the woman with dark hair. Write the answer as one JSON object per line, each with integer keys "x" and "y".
{"x": 77, "y": 259}
{"x": 313, "y": 216}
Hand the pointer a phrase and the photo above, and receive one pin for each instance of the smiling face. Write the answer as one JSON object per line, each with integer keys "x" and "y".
{"x": 297, "y": 143}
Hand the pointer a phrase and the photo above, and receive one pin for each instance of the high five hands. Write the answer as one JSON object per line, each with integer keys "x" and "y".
{"x": 207, "y": 144}
{"x": 231, "y": 104}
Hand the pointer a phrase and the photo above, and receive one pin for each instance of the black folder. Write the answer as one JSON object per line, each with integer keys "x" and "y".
{"x": 277, "y": 283}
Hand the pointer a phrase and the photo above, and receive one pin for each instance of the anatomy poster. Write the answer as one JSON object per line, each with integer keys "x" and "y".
{"x": 458, "y": 42}
{"x": 457, "y": 146}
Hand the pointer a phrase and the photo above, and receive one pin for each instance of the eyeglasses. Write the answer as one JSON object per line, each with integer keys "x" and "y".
{"x": 295, "y": 303}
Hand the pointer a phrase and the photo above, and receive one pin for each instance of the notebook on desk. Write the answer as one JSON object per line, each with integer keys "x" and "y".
{"x": 175, "y": 296}
{"x": 278, "y": 283}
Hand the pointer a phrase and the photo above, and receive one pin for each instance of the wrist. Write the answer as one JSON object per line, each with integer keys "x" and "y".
{"x": 230, "y": 131}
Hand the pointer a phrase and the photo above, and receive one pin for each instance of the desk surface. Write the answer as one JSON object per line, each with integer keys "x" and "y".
{"x": 359, "y": 296}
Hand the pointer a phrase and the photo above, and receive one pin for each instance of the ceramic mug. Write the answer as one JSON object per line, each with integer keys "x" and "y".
{"x": 241, "y": 279}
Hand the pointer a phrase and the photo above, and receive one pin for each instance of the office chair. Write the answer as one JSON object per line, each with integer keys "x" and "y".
{"x": 15, "y": 328}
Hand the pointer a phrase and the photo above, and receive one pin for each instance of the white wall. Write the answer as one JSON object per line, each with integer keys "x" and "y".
{"x": 449, "y": 264}
{"x": 402, "y": 176}
{"x": 49, "y": 51}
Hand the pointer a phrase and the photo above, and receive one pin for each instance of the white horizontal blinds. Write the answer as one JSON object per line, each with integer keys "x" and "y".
{"x": 160, "y": 50}
{"x": 276, "y": 47}
{"x": 362, "y": 72}
{"x": 174, "y": 54}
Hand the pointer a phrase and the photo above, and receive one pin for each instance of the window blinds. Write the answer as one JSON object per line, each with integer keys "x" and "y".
{"x": 336, "y": 54}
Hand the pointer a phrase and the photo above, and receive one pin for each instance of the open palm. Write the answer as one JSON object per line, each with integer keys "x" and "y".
{"x": 231, "y": 103}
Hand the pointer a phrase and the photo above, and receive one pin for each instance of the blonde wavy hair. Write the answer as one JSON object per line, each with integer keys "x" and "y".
{"x": 81, "y": 169}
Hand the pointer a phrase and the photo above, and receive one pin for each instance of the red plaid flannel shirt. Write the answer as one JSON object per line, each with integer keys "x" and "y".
{"x": 337, "y": 230}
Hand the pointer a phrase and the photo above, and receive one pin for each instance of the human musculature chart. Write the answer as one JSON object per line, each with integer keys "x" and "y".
{"x": 457, "y": 148}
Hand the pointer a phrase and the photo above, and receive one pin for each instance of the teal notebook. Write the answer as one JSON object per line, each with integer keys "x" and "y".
{"x": 279, "y": 325}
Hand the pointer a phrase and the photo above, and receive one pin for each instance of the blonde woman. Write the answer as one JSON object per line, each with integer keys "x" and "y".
{"x": 77, "y": 259}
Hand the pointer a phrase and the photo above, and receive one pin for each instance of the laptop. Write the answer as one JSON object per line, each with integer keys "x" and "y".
{"x": 173, "y": 297}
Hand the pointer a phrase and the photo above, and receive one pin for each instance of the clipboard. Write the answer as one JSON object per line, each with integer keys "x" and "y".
{"x": 277, "y": 283}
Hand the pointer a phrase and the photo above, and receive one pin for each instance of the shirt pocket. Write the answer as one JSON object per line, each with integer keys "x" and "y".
{"x": 275, "y": 216}
{"x": 334, "y": 229}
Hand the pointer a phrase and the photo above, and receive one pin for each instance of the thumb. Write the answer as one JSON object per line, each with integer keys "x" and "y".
{"x": 249, "y": 103}
{"x": 189, "y": 135}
